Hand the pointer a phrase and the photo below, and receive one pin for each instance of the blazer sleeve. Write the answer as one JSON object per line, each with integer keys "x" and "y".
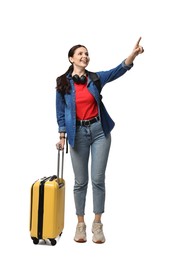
{"x": 60, "y": 112}
{"x": 115, "y": 73}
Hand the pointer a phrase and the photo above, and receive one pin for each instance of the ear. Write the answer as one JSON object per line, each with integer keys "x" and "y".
{"x": 71, "y": 60}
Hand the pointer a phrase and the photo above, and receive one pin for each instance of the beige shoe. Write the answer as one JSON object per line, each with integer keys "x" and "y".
{"x": 97, "y": 230}
{"x": 80, "y": 234}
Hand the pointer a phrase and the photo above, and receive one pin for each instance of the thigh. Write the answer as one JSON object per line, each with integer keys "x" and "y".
{"x": 99, "y": 151}
{"x": 80, "y": 155}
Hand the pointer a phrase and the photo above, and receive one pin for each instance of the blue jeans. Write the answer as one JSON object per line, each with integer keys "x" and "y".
{"x": 88, "y": 139}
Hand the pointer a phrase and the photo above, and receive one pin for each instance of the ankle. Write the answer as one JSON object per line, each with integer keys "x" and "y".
{"x": 97, "y": 221}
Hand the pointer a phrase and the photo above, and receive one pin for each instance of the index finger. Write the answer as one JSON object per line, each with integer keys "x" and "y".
{"x": 138, "y": 41}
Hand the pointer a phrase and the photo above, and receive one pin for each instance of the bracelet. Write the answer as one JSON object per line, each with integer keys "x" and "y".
{"x": 62, "y": 137}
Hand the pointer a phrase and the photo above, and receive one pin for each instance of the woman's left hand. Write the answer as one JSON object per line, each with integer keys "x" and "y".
{"x": 138, "y": 49}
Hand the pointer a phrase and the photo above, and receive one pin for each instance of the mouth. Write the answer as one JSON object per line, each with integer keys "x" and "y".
{"x": 84, "y": 61}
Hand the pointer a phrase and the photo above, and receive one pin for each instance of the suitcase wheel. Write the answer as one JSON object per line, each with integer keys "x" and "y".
{"x": 53, "y": 242}
{"x": 35, "y": 240}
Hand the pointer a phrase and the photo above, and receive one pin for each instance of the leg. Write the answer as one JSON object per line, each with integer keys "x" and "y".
{"x": 99, "y": 157}
{"x": 80, "y": 158}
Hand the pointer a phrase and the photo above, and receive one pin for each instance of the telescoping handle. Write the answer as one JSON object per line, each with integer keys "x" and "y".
{"x": 60, "y": 164}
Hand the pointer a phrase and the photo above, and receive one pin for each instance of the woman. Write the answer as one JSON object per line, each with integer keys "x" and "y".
{"x": 88, "y": 126}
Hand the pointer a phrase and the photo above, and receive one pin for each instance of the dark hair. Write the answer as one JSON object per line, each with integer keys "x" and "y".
{"x": 62, "y": 83}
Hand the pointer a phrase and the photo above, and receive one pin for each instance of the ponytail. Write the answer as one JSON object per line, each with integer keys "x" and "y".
{"x": 62, "y": 83}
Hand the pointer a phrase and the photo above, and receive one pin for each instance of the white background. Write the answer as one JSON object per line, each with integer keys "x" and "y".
{"x": 35, "y": 39}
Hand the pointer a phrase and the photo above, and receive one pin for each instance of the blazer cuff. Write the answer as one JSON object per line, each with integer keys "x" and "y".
{"x": 127, "y": 67}
{"x": 62, "y": 129}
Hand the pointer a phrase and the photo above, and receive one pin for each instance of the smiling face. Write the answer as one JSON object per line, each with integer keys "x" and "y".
{"x": 80, "y": 58}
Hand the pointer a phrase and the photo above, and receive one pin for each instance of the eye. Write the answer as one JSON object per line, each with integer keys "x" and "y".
{"x": 81, "y": 53}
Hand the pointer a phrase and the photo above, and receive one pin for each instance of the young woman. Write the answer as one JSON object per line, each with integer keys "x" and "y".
{"x": 80, "y": 116}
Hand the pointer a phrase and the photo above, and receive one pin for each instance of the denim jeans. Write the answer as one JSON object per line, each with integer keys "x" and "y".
{"x": 90, "y": 140}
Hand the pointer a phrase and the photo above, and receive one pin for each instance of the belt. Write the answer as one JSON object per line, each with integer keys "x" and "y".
{"x": 87, "y": 122}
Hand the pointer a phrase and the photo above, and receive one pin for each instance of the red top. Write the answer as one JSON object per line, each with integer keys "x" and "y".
{"x": 86, "y": 105}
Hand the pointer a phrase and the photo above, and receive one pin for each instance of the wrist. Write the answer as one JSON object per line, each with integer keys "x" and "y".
{"x": 62, "y": 137}
{"x": 129, "y": 60}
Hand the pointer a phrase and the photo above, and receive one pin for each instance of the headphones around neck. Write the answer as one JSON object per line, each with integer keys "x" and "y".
{"x": 79, "y": 80}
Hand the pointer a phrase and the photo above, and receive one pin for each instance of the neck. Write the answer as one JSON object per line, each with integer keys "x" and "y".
{"x": 79, "y": 72}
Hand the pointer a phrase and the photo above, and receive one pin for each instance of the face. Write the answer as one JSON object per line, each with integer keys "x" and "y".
{"x": 80, "y": 58}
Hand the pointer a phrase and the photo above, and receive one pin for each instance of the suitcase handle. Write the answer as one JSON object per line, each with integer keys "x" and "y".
{"x": 58, "y": 163}
{"x": 52, "y": 178}
{"x": 58, "y": 167}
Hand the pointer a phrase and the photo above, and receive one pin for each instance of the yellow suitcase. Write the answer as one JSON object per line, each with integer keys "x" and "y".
{"x": 48, "y": 206}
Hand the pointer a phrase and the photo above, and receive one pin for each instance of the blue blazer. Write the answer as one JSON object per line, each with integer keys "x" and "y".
{"x": 66, "y": 108}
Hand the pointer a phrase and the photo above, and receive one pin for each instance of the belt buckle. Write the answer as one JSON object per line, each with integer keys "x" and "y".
{"x": 87, "y": 123}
